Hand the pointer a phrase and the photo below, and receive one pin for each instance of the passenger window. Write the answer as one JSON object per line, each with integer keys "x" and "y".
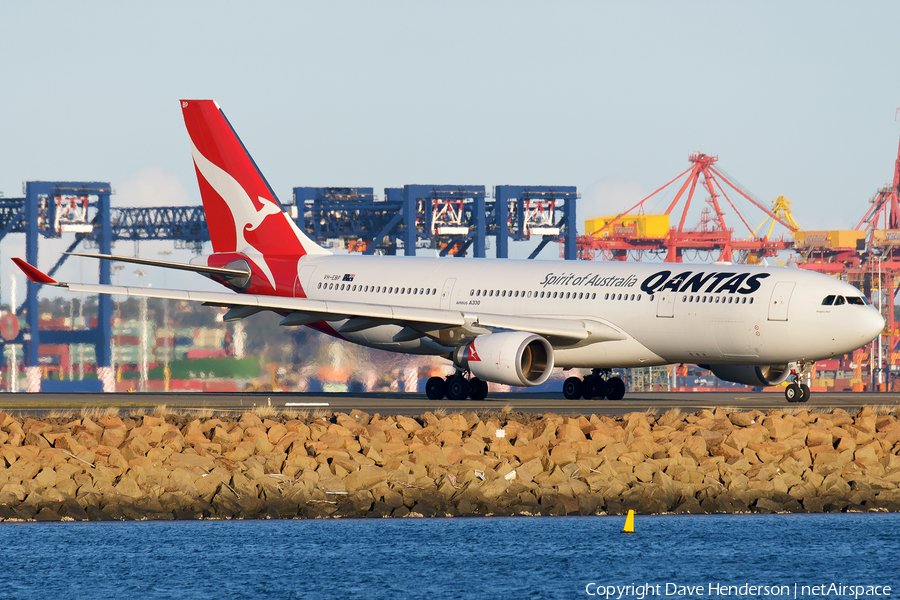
{"x": 594, "y": 296}
{"x": 828, "y": 301}
{"x": 839, "y": 300}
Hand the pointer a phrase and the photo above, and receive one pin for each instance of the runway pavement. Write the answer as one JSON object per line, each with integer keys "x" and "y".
{"x": 415, "y": 404}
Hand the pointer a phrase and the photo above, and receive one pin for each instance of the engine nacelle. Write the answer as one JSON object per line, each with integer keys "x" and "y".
{"x": 751, "y": 375}
{"x": 514, "y": 358}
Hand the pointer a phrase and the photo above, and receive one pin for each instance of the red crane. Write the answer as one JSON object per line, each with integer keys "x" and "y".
{"x": 710, "y": 235}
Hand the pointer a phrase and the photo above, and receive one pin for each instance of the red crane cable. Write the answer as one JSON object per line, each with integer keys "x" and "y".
{"x": 736, "y": 211}
{"x": 755, "y": 203}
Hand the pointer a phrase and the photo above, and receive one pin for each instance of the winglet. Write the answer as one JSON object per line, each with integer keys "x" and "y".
{"x": 34, "y": 274}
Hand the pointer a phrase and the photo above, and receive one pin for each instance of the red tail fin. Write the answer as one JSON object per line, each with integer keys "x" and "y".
{"x": 241, "y": 209}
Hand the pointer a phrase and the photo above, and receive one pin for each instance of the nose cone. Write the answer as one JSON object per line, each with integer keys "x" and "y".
{"x": 871, "y": 323}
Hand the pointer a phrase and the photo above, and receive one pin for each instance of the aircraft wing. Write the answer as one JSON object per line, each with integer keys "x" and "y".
{"x": 304, "y": 311}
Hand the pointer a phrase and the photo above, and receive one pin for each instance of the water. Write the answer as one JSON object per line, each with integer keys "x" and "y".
{"x": 543, "y": 557}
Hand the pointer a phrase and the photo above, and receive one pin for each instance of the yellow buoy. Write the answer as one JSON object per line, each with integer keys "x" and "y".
{"x": 629, "y": 523}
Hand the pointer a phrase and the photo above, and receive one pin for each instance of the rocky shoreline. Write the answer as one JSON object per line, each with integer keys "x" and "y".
{"x": 170, "y": 466}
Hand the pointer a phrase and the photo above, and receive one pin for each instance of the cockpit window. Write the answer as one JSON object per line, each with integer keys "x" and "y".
{"x": 839, "y": 300}
{"x": 855, "y": 300}
{"x": 828, "y": 301}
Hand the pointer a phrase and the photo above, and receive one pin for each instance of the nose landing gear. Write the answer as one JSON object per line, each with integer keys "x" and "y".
{"x": 796, "y": 391}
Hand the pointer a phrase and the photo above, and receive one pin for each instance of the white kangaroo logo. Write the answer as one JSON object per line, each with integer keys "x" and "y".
{"x": 244, "y": 213}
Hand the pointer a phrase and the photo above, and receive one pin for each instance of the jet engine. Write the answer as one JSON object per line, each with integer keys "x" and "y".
{"x": 515, "y": 358}
{"x": 751, "y": 375}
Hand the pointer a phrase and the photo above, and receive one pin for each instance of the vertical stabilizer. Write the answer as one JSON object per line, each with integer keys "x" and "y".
{"x": 241, "y": 209}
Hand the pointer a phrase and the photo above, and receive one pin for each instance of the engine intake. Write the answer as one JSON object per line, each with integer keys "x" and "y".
{"x": 750, "y": 374}
{"x": 514, "y": 358}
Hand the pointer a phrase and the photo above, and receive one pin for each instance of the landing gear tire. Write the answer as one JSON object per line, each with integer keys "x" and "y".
{"x": 457, "y": 388}
{"x": 478, "y": 389}
{"x": 595, "y": 388}
{"x": 435, "y": 388}
{"x": 616, "y": 388}
{"x": 793, "y": 393}
{"x": 804, "y": 393}
{"x": 573, "y": 388}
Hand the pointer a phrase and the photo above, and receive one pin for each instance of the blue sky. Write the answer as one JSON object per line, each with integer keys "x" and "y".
{"x": 795, "y": 98}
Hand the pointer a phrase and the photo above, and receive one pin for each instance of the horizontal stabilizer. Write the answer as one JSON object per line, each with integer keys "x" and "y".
{"x": 168, "y": 265}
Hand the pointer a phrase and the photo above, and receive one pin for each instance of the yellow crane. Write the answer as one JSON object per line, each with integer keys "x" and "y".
{"x": 781, "y": 208}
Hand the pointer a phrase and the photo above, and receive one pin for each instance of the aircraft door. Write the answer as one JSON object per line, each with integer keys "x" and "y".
{"x": 447, "y": 292}
{"x": 666, "y": 305}
{"x": 301, "y": 283}
{"x": 781, "y": 299}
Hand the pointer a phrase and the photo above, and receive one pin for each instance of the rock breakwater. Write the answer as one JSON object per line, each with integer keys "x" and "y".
{"x": 360, "y": 465}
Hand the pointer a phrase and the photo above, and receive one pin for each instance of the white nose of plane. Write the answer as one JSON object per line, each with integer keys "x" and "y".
{"x": 869, "y": 324}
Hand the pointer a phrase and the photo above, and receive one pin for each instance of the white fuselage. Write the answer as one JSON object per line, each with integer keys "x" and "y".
{"x": 668, "y": 313}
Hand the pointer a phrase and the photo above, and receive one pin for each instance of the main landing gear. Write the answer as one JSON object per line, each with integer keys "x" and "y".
{"x": 456, "y": 387}
{"x": 796, "y": 391}
{"x": 594, "y": 387}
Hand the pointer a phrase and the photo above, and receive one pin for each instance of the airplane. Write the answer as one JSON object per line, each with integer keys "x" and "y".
{"x": 500, "y": 320}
